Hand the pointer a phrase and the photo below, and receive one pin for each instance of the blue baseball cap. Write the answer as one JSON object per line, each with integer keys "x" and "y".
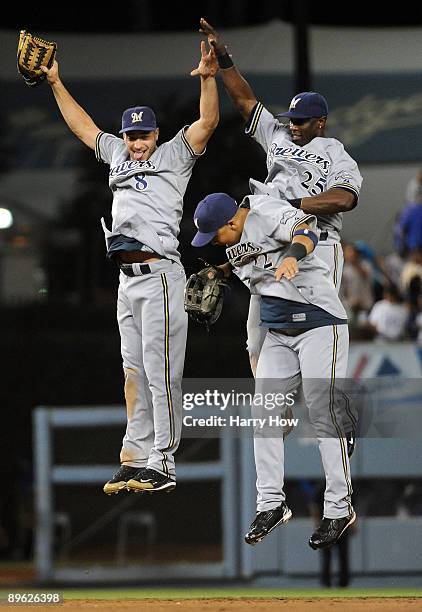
{"x": 214, "y": 211}
{"x": 306, "y": 105}
{"x": 138, "y": 118}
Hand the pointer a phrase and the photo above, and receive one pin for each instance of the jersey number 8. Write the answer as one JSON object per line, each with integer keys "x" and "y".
{"x": 141, "y": 183}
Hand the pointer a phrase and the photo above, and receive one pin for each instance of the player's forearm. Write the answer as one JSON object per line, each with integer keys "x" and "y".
{"x": 299, "y": 248}
{"x": 78, "y": 120}
{"x": 199, "y": 133}
{"x": 332, "y": 201}
{"x": 239, "y": 91}
{"x": 306, "y": 242}
{"x": 209, "y": 111}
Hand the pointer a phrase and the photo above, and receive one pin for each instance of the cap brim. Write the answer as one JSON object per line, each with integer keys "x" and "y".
{"x": 138, "y": 129}
{"x": 201, "y": 238}
{"x": 291, "y": 115}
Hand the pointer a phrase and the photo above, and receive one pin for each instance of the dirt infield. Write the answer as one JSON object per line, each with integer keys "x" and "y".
{"x": 355, "y": 604}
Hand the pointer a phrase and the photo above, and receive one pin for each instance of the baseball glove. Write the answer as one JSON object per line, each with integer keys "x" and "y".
{"x": 34, "y": 52}
{"x": 204, "y": 295}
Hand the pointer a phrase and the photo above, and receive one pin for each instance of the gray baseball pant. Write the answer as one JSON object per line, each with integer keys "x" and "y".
{"x": 153, "y": 330}
{"x": 317, "y": 358}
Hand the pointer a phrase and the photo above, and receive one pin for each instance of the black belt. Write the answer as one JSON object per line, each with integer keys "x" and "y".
{"x": 141, "y": 269}
{"x": 323, "y": 235}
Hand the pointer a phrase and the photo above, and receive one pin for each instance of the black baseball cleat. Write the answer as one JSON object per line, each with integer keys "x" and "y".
{"x": 119, "y": 480}
{"x": 329, "y": 531}
{"x": 351, "y": 442}
{"x": 149, "y": 481}
{"x": 266, "y": 521}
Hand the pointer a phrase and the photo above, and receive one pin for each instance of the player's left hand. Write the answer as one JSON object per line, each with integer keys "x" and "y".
{"x": 288, "y": 268}
{"x": 208, "y": 65}
{"x": 214, "y": 38}
{"x": 52, "y": 73}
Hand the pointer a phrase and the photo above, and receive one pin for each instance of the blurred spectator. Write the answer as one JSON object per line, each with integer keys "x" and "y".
{"x": 414, "y": 189}
{"x": 411, "y": 276}
{"x": 393, "y": 265}
{"x": 411, "y": 286}
{"x": 408, "y": 229}
{"x": 418, "y": 323}
{"x": 389, "y": 316}
{"x": 356, "y": 287}
{"x": 379, "y": 272}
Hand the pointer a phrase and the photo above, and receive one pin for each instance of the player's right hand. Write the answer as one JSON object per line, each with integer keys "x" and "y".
{"x": 287, "y": 269}
{"x": 214, "y": 39}
{"x": 52, "y": 73}
{"x": 208, "y": 65}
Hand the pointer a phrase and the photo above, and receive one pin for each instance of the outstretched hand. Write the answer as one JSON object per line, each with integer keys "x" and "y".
{"x": 52, "y": 73}
{"x": 214, "y": 38}
{"x": 208, "y": 65}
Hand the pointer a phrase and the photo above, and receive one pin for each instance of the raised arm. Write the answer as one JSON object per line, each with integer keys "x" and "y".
{"x": 199, "y": 133}
{"x": 76, "y": 118}
{"x": 236, "y": 86}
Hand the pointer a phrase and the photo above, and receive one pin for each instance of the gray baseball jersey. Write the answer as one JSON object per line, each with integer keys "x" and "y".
{"x": 266, "y": 235}
{"x": 147, "y": 208}
{"x": 297, "y": 172}
{"x": 148, "y": 195}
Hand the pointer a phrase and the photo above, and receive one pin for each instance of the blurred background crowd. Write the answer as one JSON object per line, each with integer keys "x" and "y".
{"x": 383, "y": 293}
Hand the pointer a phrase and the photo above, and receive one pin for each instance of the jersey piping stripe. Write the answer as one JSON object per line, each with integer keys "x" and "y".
{"x": 167, "y": 363}
{"x": 255, "y": 120}
{"x": 335, "y": 271}
{"x": 333, "y": 417}
{"x": 164, "y": 464}
{"x": 347, "y": 187}
{"x": 97, "y": 147}
{"x": 350, "y": 414}
{"x": 248, "y": 122}
{"x": 299, "y": 222}
{"x": 189, "y": 148}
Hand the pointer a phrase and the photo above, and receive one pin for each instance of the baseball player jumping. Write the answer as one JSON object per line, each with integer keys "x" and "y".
{"x": 148, "y": 183}
{"x": 313, "y": 173}
{"x": 270, "y": 245}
